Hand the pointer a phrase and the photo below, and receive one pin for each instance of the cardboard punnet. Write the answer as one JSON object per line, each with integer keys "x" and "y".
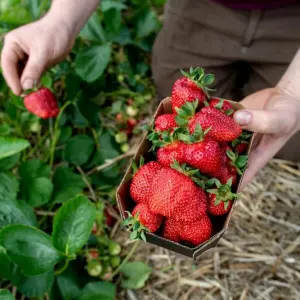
{"x": 125, "y": 202}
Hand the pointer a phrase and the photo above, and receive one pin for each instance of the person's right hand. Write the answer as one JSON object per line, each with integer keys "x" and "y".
{"x": 38, "y": 45}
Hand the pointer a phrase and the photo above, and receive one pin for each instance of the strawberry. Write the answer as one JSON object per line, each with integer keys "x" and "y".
{"x": 131, "y": 122}
{"x": 220, "y": 199}
{"x": 223, "y": 105}
{"x": 168, "y": 153}
{"x": 42, "y": 103}
{"x": 194, "y": 233}
{"x": 197, "y": 232}
{"x": 242, "y": 148}
{"x": 140, "y": 187}
{"x": 93, "y": 253}
{"x": 165, "y": 122}
{"x": 109, "y": 219}
{"x": 147, "y": 218}
{"x": 222, "y": 127}
{"x": 190, "y": 87}
{"x": 201, "y": 151}
{"x": 171, "y": 230}
{"x": 175, "y": 195}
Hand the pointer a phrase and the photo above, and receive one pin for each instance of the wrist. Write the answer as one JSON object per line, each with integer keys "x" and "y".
{"x": 72, "y": 14}
{"x": 290, "y": 81}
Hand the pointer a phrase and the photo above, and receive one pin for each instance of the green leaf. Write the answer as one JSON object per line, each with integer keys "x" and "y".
{"x": 16, "y": 15}
{"x": 39, "y": 192}
{"x": 92, "y": 61}
{"x": 93, "y": 30}
{"x": 65, "y": 194}
{"x": 112, "y": 19}
{"x": 65, "y": 134}
{"x": 9, "y": 162}
{"x": 6, "y": 295}
{"x": 98, "y": 291}
{"x": 47, "y": 81}
{"x": 8, "y": 187}
{"x": 136, "y": 273}
{"x": 36, "y": 286}
{"x": 10, "y": 146}
{"x": 34, "y": 168}
{"x": 69, "y": 284}
{"x": 73, "y": 224}
{"x": 109, "y": 4}
{"x": 11, "y": 213}
{"x": 29, "y": 248}
{"x": 146, "y": 23}
{"x": 78, "y": 149}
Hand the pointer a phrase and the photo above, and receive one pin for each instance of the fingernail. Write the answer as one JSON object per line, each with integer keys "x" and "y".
{"x": 242, "y": 117}
{"x": 27, "y": 84}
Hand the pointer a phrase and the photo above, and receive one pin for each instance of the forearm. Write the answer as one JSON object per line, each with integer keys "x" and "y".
{"x": 290, "y": 81}
{"x": 73, "y": 13}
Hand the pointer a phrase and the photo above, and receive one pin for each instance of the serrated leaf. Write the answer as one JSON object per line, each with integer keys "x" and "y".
{"x": 92, "y": 61}
{"x": 9, "y": 162}
{"x": 10, "y": 146}
{"x": 136, "y": 274}
{"x": 78, "y": 149}
{"x": 34, "y": 168}
{"x": 39, "y": 192}
{"x": 98, "y": 291}
{"x": 93, "y": 30}
{"x": 72, "y": 225}
{"x": 29, "y": 248}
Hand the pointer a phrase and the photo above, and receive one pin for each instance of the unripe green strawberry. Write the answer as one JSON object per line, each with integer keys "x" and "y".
{"x": 114, "y": 248}
{"x": 115, "y": 261}
{"x": 94, "y": 268}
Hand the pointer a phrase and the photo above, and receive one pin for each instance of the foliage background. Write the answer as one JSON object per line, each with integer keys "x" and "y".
{"x": 105, "y": 91}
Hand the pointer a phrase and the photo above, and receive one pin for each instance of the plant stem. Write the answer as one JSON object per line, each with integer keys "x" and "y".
{"x": 125, "y": 260}
{"x": 55, "y": 133}
{"x": 63, "y": 268}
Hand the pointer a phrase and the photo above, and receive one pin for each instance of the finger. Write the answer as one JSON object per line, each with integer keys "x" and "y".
{"x": 10, "y": 57}
{"x": 264, "y": 121}
{"x": 33, "y": 70}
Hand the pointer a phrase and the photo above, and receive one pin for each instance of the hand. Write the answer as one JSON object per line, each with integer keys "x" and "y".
{"x": 275, "y": 115}
{"x": 38, "y": 45}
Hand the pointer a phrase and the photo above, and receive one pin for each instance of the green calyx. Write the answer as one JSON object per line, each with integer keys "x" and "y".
{"x": 243, "y": 138}
{"x": 238, "y": 161}
{"x": 223, "y": 191}
{"x": 197, "y": 136}
{"x": 202, "y": 80}
{"x": 135, "y": 167}
{"x": 194, "y": 174}
{"x": 134, "y": 225}
{"x": 186, "y": 112}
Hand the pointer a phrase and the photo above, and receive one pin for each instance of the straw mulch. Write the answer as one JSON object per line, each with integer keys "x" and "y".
{"x": 258, "y": 257}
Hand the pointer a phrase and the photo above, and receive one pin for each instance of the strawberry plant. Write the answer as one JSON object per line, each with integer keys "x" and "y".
{"x": 60, "y": 162}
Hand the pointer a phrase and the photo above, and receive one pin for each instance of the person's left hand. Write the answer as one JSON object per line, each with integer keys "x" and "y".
{"x": 275, "y": 116}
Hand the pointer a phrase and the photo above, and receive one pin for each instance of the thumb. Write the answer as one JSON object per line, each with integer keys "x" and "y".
{"x": 263, "y": 121}
{"x": 33, "y": 70}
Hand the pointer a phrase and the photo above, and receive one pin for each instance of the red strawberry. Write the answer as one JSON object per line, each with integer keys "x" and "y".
{"x": 168, "y": 153}
{"x": 140, "y": 188}
{"x": 197, "y": 232}
{"x": 225, "y": 172}
{"x": 109, "y": 219}
{"x": 175, "y": 195}
{"x": 222, "y": 127}
{"x": 42, "y": 103}
{"x": 220, "y": 199}
{"x": 223, "y": 105}
{"x": 190, "y": 87}
{"x": 147, "y": 218}
{"x": 131, "y": 123}
{"x": 219, "y": 209}
{"x": 171, "y": 230}
{"x": 242, "y": 148}
{"x": 94, "y": 253}
{"x": 165, "y": 122}
{"x": 194, "y": 233}
{"x": 204, "y": 155}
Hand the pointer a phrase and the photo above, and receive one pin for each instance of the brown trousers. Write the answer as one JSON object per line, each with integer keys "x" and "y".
{"x": 246, "y": 50}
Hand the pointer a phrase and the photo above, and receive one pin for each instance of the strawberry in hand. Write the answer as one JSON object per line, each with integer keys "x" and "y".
{"x": 191, "y": 86}
{"x": 42, "y": 103}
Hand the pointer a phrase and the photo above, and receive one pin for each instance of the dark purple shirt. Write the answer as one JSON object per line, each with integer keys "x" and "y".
{"x": 255, "y": 4}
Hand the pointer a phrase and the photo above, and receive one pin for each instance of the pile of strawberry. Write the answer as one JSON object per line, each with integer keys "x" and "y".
{"x": 200, "y": 154}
